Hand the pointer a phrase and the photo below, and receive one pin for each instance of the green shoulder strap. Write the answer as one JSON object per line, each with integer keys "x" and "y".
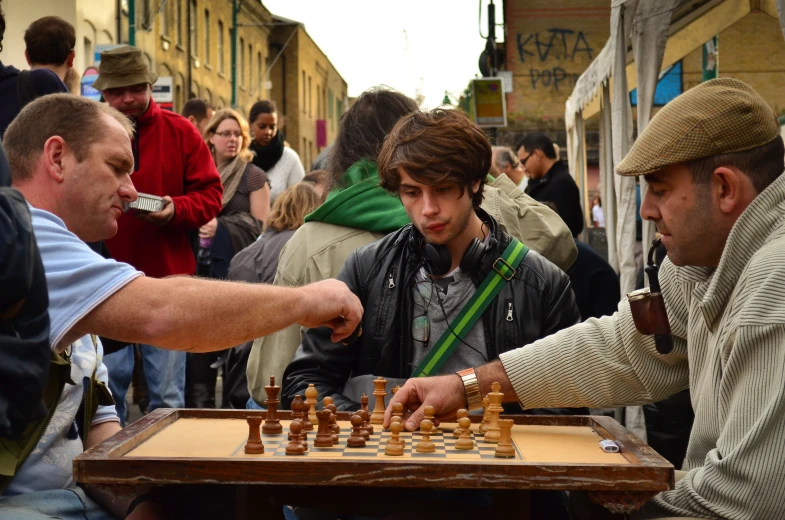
{"x": 503, "y": 270}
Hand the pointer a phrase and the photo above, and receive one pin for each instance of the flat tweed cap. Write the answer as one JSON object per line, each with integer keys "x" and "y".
{"x": 719, "y": 116}
{"x": 122, "y": 67}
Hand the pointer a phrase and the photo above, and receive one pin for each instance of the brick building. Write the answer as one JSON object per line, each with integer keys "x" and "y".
{"x": 549, "y": 43}
{"x": 310, "y": 93}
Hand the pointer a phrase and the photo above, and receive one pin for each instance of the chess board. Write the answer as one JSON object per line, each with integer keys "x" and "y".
{"x": 222, "y": 438}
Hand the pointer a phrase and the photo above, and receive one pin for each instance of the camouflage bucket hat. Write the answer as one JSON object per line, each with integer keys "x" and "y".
{"x": 719, "y": 116}
{"x": 123, "y": 67}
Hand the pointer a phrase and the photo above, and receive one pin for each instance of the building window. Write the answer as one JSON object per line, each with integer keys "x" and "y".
{"x": 259, "y": 72}
{"x": 88, "y": 51}
{"x": 310, "y": 97}
{"x": 164, "y": 20}
{"x": 220, "y": 46}
{"x": 207, "y": 36}
{"x": 145, "y": 14}
{"x": 178, "y": 20}
{"x": 193, "y": 32}
{"x": 241, "y": 63}
{"x": 250, "y": 67}
{"x": 305, "y": 102}
{"x": 330, "y": 111}
{"x": 304, "y": 151}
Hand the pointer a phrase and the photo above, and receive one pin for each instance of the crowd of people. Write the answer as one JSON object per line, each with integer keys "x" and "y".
{"x": 360, "y": 268}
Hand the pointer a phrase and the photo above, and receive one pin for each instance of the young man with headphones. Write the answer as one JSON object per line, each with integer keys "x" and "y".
{"x": 415, "y": 282}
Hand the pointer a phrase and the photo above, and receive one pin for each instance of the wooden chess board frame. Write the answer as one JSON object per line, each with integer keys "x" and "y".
{"x": 645, "y": 474}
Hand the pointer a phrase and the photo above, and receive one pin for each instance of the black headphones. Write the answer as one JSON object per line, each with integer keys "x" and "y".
{"x": 438, "y": 260}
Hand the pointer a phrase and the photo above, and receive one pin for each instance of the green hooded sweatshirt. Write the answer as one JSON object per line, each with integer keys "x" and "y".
{"x": 359, "y": 202}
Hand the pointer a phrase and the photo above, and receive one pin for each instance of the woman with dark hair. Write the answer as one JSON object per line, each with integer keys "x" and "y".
{"x": 281, "y": 164}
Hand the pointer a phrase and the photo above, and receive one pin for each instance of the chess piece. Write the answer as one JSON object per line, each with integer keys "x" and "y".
{"x": 301, "y": 414}
{"x": 311, "y": 393}
{"x": 297, "y": 407}
{"x": 398, "y": 420}
{"x": 327, "y": 401}
{"x": 324, "y": 438}
{"x": 426, "y": 445}
{"x": 395, "y": 389}
{"x": 298, "y": 413}
{"x": 458, "y": 430}
{"x": 398, "y": 410}
{"x": 363, "y": 430}
{"x": 335, "y": 428}
{"x": 394, "y": 446}
{"x": 485, "y": 415}
{"x": 295, "y": 446}
{"x": 254, "y": 444}
{"x": 377, "y": 417}
{"x": 429, "y": 415}
{"x": 272, "y": 425}
{"x": 505, "y": 448}
{"x": 465, "y": 441}
{"x": 367, "y": 418}
{"x": 356, "y": 439}
{"x": 495, "y": 397}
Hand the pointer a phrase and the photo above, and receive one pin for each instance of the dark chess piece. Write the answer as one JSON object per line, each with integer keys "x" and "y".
{"x": 254, "y": 444}
{"x": 365, "y": 424}
{"x": 324, "y": 437}
{"x": 272, "y": 425}
{"x": 298, "y": 413}
{"x": 301, "y": 413}
{"x": 335, "y": 428}
{"x": 357, "y": 439}
{"x": 366, "y": 418}
{"x": 295, "y": 446}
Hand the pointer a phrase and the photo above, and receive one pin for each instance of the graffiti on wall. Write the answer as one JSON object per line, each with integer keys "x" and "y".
{"x": 554, "y": 44}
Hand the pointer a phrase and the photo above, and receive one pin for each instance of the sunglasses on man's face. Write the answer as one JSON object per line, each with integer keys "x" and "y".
{"x": 523, "y": 162}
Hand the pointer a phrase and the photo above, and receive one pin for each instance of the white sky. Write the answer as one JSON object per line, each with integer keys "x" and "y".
{"x": 365, "y": 41}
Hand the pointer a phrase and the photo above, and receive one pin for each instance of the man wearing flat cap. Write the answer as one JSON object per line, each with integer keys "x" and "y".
{"x": 171, "y": 160}
{"x": 713, "y": 158}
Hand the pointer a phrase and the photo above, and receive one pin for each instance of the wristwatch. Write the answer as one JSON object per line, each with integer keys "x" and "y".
{"x": 471, "y": 387}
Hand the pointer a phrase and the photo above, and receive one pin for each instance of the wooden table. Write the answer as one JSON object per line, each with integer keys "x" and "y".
{"x": 198, "y": 456}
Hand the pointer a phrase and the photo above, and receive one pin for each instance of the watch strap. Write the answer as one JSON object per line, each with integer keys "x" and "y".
{"x": 471, "y": 388}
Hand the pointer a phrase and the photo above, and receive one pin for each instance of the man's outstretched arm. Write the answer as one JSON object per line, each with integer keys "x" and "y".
{"x": 197, "y": 315}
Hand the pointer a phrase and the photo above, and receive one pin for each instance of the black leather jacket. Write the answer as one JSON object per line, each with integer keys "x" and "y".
{"x": 381, "y": 274}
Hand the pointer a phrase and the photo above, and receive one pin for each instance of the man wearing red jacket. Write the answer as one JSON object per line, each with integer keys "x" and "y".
{"x": 171, "y": 160}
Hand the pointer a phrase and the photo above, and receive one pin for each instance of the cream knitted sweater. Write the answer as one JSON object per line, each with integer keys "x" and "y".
{"x": 729, "y": 349}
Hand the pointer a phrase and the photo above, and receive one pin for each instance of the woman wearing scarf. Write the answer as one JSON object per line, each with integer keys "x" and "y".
{"x": 281, "y": 164}
{"x": 246, "y": 203}
{"x": 246, "y": 197}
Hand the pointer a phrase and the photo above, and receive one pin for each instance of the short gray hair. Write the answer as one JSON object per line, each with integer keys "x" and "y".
{"x": 503, "y": 156}
{"x": 73, "y": 118}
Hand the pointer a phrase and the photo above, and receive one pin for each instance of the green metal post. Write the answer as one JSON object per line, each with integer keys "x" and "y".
{"x": 235, "y": 10}
{"x": 132, "y": 23}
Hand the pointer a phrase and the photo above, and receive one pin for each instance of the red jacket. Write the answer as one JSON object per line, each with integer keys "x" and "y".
{"x": 170, "y": 158}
